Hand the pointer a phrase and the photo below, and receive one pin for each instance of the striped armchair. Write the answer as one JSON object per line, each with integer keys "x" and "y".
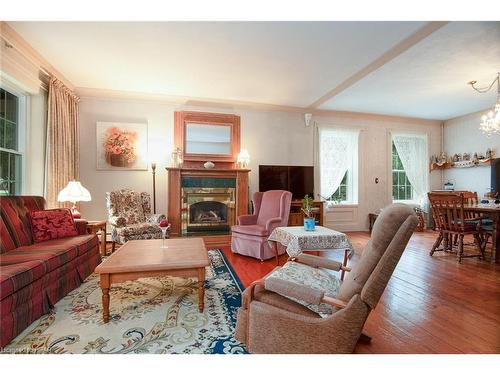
{"x": 129, "y": 213}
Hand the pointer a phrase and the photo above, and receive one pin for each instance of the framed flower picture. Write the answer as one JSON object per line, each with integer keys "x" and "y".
{"x": 122, "y": 146}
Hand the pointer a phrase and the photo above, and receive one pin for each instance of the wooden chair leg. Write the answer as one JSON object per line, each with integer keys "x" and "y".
{"x": 480, "y": 243}
{"x": 436, "y": 243}
{"x": 113, "y": 246}
{"x": 446, "y": 245}
{"x": 460, "y": 248}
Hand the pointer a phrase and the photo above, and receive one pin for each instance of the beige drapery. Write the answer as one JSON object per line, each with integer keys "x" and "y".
{"x": 62, "y": 140}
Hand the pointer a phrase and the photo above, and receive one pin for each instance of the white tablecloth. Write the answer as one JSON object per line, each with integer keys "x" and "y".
{"x": 297, "y": 239}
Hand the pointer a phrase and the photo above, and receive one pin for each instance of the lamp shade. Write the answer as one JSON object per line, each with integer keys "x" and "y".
{"x": 243, "y": 158}
{"x": 74, "y": 192}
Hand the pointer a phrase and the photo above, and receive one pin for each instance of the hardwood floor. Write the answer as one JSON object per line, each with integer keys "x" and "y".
{"x": 431, "y": 304}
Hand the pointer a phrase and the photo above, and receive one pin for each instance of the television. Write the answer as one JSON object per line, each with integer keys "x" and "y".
{"x": 299, "y": 180}
{"x": 495, "y": 175}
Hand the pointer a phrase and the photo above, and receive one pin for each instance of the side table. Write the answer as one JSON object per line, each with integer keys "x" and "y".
{"x": 95, "y": 227}
{"x": 297, "y": 240}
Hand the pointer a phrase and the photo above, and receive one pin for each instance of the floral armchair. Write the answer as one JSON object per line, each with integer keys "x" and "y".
{"x": 129, "y": 213}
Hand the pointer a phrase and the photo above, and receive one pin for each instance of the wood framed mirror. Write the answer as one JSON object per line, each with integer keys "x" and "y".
{"x": 205, "y": 136}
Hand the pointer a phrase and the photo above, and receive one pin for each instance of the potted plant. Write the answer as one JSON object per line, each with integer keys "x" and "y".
{"x": 307, "y": 208}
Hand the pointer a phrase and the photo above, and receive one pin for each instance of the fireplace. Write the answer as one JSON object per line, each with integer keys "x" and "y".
{"x": 209, "y": 208}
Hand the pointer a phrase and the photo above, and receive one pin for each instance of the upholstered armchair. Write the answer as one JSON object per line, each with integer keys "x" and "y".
{"x": 302, "y": 308}
{"x": 129, "y": 213}
{"x": 271, "y": 210}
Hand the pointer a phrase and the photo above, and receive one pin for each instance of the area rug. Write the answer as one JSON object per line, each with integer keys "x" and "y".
{"x": 151, "y": 315}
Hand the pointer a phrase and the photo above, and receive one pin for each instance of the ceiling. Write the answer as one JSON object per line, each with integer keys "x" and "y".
{"x": 281, "y": 63}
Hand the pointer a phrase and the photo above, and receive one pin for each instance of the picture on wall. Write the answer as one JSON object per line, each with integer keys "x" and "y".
{"x": 122, "y": 146}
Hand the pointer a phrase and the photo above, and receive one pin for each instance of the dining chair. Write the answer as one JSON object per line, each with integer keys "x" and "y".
{"x": 471, "y": 198}
{"x": 449, "y": 213}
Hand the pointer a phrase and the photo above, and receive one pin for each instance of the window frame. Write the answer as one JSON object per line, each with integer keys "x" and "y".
{"x": 22, "y": 101}
{"x": 399, "y": 171}
{"x": 391, "y": 133}
{"x": 352, "y": 172}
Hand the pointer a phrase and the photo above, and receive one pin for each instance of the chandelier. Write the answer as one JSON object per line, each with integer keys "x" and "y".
{"x": 490, "y": 122}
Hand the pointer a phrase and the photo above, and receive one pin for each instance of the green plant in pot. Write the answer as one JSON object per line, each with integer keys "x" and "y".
{"x": 307, "y": 208}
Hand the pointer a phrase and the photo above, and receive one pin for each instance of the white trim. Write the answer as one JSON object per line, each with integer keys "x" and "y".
{"x": 22, "y": 133}
{"x": 410, "y": 133}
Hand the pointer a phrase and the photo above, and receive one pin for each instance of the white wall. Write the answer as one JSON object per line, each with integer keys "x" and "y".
{"x": 463, "y": 135}
{"x": 270, "y": 137}
{"x": 374, "y": 162}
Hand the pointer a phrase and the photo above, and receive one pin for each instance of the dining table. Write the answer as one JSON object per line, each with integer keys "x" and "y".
{"x": 493, "y": 212}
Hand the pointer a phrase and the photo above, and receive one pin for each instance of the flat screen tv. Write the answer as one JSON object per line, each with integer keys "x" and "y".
{"x": 299, "y": 180}
{"x": 495, "y": 175}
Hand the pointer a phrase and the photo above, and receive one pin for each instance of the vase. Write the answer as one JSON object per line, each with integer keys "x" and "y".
{"x": 309, "y": 224}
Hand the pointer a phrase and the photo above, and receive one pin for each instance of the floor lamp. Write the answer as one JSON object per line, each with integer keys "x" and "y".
{"x": 153, "y": 167}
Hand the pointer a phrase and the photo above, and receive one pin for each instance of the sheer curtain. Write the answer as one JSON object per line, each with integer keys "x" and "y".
{"x": 62, "y": 140}
{"x": 412, "y": 150}
{"x": 337, "y": 150}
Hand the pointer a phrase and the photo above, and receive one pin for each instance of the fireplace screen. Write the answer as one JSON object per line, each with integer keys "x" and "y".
{"x": 208, "y": 213}
{"x": 208, "y": 210}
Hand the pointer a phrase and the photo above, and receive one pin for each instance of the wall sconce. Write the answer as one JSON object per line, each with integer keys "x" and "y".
{"x": 243, "y": 159}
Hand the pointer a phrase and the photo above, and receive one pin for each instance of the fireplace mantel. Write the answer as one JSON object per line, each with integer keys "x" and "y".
{"x": 175, "y": 176}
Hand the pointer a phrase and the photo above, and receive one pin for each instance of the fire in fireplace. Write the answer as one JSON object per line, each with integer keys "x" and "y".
{"x": 207, "y": 209}
{"x": 208, "y": 212}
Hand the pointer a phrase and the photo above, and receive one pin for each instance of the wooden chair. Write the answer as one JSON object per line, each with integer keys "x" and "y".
{"x": 449, "y": 214}
{"x": 471, "y": 198}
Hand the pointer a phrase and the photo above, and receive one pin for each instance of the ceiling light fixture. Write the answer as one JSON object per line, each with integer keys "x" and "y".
{"x": 490, "y": 123}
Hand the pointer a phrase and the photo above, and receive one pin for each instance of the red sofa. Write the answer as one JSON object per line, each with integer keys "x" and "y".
{"x": 34, "y": 276}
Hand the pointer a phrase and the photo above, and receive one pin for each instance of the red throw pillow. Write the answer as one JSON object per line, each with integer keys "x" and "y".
{"x": 51, "y": 224}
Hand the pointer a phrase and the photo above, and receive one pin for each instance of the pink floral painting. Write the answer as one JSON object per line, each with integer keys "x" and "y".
{"x": 121, "y": 145}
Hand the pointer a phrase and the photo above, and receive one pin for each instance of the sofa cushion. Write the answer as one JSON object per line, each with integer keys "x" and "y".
{"x": 129, "y": 206}
{"x": 51, "y": 224}
{"x": 14, "y": 277}
{"x": 15, "y": 221}
{"x": 254, "y": 230}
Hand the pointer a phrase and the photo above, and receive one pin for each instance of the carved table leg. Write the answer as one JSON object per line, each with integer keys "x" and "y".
{"x": 201, "y": 289}
{"x": 105, "y": 296}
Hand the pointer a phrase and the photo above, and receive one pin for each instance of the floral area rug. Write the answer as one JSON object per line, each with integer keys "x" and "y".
{"x": 151, "y": 315}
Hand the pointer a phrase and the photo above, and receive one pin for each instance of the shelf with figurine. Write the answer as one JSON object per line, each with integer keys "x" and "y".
{"x": 465, "y": 160}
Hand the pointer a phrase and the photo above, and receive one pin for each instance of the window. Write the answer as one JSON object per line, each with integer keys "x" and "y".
{"x": 340, "y": 194}
{"x": 338, "y": 164}
{"x": 401, "y": 187}
{"x": 410, "y": 169}
{"x": 10, "y": 151}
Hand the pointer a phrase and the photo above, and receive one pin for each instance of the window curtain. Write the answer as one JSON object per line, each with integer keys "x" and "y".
{"x": 336, "y": 153}
{"x": 412, "y": 150}
{"x": 62, "y": 140}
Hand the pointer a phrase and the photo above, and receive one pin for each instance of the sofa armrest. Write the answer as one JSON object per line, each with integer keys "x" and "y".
{"x": 294, "y": 290}
{"x": 117, "y": 221}
{"x": 321, "y": 262}
{"x": 81, "y": 226}
{"x": 273, "y": 223}
{"x": 247, "y": 220}
{"x": 155, "y": 218}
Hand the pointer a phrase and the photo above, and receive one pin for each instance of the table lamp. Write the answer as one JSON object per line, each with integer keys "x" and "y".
{"x": 74, "y": 192}
{"x": 243, "y": 158}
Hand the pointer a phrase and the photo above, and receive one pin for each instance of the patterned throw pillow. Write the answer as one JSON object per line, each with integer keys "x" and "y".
{"x": 51, "y": 224}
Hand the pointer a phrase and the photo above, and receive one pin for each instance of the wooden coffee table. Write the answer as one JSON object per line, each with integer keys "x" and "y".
{"x": 184, "y": 257}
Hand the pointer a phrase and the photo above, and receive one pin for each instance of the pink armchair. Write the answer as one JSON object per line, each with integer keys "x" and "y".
{"x": 249, "y": 237}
